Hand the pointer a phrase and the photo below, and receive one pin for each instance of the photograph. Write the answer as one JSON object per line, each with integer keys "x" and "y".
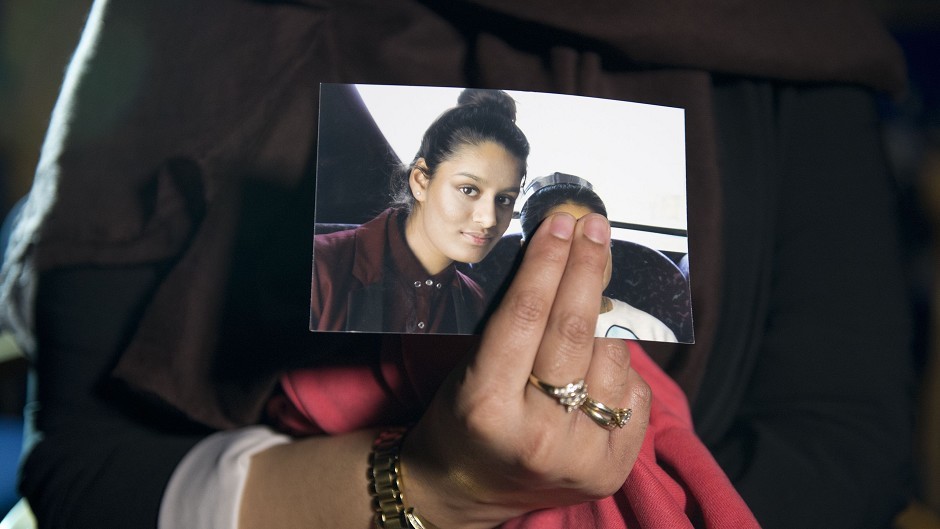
{"x": 426, "y": 196}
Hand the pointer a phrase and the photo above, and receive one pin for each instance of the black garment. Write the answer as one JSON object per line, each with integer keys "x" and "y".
{"x": 808, "y": 404}
{"x": 174, "y": 261}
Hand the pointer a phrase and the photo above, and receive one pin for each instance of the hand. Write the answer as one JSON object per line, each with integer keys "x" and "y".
{"x": 493, "y": 446}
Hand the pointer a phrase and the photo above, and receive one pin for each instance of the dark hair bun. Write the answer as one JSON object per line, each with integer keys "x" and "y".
{"x": 495, "y": 101}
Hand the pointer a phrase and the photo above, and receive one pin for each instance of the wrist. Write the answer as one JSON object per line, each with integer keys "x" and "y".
{"x": 446, "y": 491}
{"x": 386, "y": 484}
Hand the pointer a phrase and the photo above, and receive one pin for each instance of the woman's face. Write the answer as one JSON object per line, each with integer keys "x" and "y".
{"x": 577, "y": 211}
{"x": 465, "y": 207}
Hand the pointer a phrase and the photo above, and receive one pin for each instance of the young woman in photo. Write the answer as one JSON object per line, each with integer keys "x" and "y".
{"x": 451, "y": 204}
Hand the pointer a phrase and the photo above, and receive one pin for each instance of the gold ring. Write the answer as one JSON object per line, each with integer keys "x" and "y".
{"x": 571, "y": 396}
{"x": 604, "y": 415}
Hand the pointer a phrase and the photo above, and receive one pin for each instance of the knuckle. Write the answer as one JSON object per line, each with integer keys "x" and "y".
{"x": 616, "y": 352}
{"x": 478, "y": 421}
{"x": 535, "y": 454}
{"x": 483, "y": 416}
{"x": 612, "y": 484}
{"x": 606, "y": 485}
{"x": 641, "y": 394}
{"x": 576, "y": 329}
{"x": 601, "y": 481}
{"x": 527, "y": 308}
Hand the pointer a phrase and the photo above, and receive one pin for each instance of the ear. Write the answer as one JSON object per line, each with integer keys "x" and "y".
{"x": 418, "y": 180}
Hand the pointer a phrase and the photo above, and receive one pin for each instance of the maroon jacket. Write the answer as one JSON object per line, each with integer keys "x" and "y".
{"x": 367, "y": 279}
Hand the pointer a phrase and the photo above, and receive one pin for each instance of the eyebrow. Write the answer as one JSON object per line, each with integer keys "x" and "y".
{"x": 482, "y": 180}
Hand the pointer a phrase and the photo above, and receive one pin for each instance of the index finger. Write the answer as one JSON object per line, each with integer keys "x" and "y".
{"x": 514, "y": 332}
{"x": 568, "y": 344}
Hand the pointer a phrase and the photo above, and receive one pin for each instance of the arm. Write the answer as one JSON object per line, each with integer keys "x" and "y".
{"x": 314, "y": 482}
{"x": 520, "y": 451}
{"x": 86, "y": 435}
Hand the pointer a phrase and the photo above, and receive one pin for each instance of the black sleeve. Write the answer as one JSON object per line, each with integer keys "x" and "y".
{"x": 97, "y": 457}
{"x": 821, "y": 433}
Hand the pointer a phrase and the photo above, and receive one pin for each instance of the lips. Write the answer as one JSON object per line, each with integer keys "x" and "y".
{"x": 477, "y": 238}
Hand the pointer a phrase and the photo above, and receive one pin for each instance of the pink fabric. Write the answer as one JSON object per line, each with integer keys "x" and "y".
{"x": 675, "y": 482}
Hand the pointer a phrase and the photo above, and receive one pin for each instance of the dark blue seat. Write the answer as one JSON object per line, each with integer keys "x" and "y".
{"x": 642, "y": 277}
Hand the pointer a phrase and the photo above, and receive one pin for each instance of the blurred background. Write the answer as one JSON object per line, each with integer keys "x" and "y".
{"x": 38, "y": 36}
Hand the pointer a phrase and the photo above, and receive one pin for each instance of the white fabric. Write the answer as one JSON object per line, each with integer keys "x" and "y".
{"x": 626, "y": 321}
{"x": 19, "y": 517}
{"x": 18, "y": 275}
{"x": 205, "y": 490}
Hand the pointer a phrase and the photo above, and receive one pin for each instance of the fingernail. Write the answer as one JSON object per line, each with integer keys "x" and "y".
{"x": 597, "y": 229}
{"x": 562, "y": 226}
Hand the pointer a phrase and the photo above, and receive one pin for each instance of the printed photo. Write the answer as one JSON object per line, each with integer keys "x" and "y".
{"x": 426, "y": 195}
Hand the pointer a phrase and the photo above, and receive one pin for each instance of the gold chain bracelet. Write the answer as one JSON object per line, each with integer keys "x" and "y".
{"x": 385, "y": 484}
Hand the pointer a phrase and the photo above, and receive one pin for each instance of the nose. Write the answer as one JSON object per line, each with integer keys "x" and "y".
{"x": 484, "y": 214}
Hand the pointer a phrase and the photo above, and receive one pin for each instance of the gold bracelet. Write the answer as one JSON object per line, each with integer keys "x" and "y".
{"x": 385, "y": 484}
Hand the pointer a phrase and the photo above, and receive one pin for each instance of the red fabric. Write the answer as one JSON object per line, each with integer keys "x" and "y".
{"x": 675, "y": 482}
